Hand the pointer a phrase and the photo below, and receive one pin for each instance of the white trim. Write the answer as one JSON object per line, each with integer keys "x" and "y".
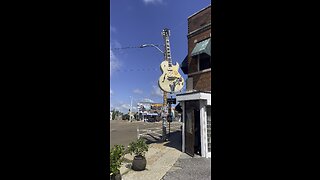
{"x": 194, "y": 96}
{"x": 203, "y": 129}
{"x": 208, "y": 154}
{"x": 205, "y": 100}
{"x": 183, "y": 125}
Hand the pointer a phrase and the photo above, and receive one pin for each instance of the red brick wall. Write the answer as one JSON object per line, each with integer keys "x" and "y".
{"x": 202, "y": 82}
{"x": 200, "y": 19}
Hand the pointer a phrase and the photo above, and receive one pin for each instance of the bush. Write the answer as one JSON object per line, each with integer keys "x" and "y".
{"x": 116, "y": 158}
{"x": 139, "y": 147}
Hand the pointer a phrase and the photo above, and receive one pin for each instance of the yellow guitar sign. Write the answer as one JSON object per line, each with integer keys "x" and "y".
{"x": 170, "y": 81}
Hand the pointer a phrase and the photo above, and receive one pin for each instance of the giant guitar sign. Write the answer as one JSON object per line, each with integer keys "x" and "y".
{"x": 170, "y": 81}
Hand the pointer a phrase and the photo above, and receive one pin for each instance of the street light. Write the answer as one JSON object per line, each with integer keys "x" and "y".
{"x": 152, "y": 45}
{"x": 130, "y": 115}
{"x": 164, "y": 130}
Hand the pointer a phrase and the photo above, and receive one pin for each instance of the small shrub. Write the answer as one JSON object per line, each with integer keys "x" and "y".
{"x": 116, "y": 158}
{"x": 139, "y": 147}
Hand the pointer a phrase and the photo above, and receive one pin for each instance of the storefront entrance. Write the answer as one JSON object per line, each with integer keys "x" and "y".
{"x": 196, "y": 129}
{"x": 192, "y": 132}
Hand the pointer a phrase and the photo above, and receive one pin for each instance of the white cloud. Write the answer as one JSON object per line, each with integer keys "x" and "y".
{"x": 114, "y": 63}
{"x": 111, "y": 92}
{"x": 125, "y": 108}
{"x": 138, "y": 91}
{"x": 147, "y": 100}
{"x": 152, "y": 1}
{"x": 156, "y": 91}
{"x": 115, "y": 44}
{"x": 112, "y": 29}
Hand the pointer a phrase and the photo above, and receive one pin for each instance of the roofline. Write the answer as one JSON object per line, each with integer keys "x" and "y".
{"x": 199, "y": 11}
{"x": 194, "y": 92}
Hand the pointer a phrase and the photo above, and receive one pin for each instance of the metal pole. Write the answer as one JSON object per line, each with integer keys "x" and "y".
{"x": 169, "y": 117}
{"x": 148, "y": 45}
{"x": 169, "y": 125}
{"x": 130, "y": 115}
{"x": 164, "y": 130}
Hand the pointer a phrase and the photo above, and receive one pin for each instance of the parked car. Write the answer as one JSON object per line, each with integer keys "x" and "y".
{"x": 125, "y": 117}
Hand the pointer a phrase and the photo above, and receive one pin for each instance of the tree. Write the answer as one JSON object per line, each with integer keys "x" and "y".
{"x": 115, "y": 113}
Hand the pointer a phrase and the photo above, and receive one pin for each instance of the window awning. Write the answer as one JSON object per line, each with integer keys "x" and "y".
{"x": 202, "y": 47}
{"x": 184, "y": 65}
{"x": 178, "y": 108}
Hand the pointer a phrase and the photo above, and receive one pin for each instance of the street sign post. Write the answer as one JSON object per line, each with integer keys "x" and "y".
{"x": 171, "y": 100}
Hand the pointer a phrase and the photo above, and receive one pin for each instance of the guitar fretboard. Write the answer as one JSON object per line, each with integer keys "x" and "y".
{"x": 167, "y": 46}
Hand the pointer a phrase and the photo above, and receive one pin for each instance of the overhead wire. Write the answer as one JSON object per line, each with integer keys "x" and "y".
{"x": 140, "y": 47}
{"x": 132, "y": 47}
{"x": 138, "y": 69}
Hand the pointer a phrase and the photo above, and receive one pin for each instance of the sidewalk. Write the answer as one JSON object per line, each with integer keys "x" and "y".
{"x": 160, "y": 158}
{"x": 188, "y": 168}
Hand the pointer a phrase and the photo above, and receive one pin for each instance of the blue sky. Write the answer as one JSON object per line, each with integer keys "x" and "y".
{"x": 134, "y": 72}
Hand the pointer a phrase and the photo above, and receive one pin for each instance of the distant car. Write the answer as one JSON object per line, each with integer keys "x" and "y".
{"x": 151, "y": 119}
{"x": 125, "y": 117}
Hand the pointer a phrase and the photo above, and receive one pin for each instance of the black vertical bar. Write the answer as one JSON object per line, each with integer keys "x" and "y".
{"x": 169, "y": 126}
{"x": 170, "y": 118}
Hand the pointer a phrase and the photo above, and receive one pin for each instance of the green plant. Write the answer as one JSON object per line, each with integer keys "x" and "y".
{"x": 139, "y": 147}
{"x": 116, "y": 158}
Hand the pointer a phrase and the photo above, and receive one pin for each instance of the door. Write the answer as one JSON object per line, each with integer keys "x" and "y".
{"x": 190, "y": 110}
{"x": 189, "y": 133}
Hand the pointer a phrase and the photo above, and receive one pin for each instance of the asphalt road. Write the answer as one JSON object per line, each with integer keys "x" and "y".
{"x": 123, "y": 132}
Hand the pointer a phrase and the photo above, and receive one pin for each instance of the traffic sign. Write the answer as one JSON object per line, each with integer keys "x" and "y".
{"x": 171, "y": 100}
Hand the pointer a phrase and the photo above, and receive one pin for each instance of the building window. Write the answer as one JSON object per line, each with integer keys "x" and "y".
{"x": 204, "y": 62}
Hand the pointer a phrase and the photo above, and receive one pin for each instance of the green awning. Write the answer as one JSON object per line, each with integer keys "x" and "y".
{"x": 202, "y": 47}
{"x": 184, "y": 65}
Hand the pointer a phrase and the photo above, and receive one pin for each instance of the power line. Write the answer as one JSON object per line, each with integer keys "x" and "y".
{"x": 138, "y": 69}
{"x": 131, "y": 47}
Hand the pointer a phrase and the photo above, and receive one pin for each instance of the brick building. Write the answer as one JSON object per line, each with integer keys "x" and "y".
{"x": 196, "y": 101}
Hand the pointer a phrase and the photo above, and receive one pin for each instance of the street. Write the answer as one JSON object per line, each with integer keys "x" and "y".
{"x": 123, "y": 132}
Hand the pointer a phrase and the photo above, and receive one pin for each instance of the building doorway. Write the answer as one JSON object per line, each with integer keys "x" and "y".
{"x": 196, "y": 129}
{"x": 192, "y": 128}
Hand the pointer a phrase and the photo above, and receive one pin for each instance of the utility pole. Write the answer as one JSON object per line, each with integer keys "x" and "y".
{"x": 165, "y": 97}
{"x": 164, "y": 126}
{"x": 130, "y": 115}
{"x": 170, "y": 117}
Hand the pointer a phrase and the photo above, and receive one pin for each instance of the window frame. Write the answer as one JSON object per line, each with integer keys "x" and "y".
{"x": 198, "y": 63}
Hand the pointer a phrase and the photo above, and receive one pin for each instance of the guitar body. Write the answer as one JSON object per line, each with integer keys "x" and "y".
{"x": 170, "y": 80}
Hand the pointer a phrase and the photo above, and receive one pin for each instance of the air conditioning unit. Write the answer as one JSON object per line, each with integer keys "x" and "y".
{"x": 189, "y": 84}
